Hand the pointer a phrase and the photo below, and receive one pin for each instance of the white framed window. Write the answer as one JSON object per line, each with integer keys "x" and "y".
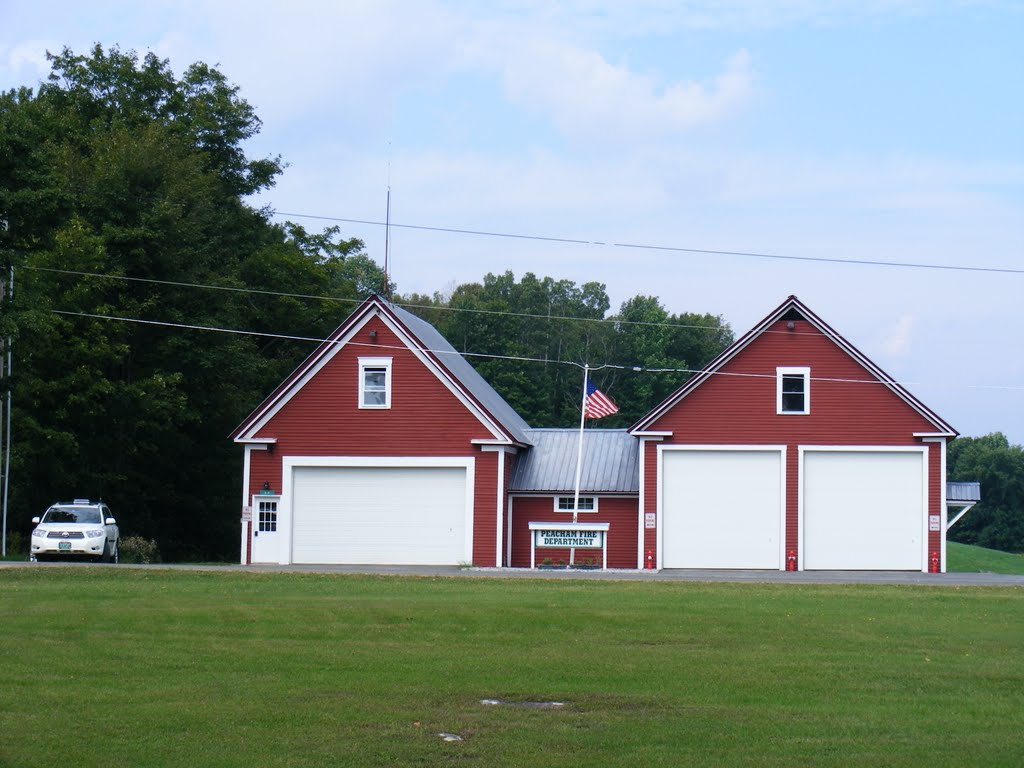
{"x": 266, "y": 521}
{"x": 793, "y": 390}
{"x": 374, "y": 382}
{"x": 564, "y": 504}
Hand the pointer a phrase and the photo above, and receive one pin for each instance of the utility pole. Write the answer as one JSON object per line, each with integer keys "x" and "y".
{"x": 6, "y": 294}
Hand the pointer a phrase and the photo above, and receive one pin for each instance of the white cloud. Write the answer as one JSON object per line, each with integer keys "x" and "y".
{"x": 587, "y": 96}
{"x": 899, "y": 337}
{"x": 25, "y": 63}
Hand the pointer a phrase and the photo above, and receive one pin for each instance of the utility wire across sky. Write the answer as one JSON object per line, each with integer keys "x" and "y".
{"x": 671, "y": 248}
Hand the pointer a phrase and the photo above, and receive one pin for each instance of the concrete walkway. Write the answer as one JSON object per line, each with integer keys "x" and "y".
{"x": 755, "y": 577}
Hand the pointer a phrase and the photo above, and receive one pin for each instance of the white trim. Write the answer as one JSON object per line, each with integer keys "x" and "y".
{"x": 944, "y": 525}
{"x": 651, "y": 434}
{"x": 782, "y": 372}
{"x": 508, "y": 530}
{"x": 932, "y": 436}
{"x": 245, "y": 532}
{"x": 500, "y": 510}
{"x": 257, "y": 442}
{"x": 804, "y": 449}
{"x": 640, "y": 505}
{"x": 285, "y": 516}
{"x": 965, "y": 507}
{"x": 549, "y": 494}
{"x": 504, "y": 450}
{"x": 755, "y": 333}
{"x": 313, "y": 365}
{"x": 374, "y": 363}
{"x": 559, "y": 497}
{"x": 662, "y": 448}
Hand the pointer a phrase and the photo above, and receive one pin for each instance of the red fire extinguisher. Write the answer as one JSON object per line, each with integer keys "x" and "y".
{"x": 650, "y": 560}
{"x": 791, "y": 560}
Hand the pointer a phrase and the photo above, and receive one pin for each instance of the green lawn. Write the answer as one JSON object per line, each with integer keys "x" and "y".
{"x": 121, "y": 666}
{"x": 966, "y": 558}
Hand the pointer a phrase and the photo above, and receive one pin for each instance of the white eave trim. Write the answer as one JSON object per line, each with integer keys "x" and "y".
{"x": 345, "y": 334}
{"x": 651, "y": 434}
{"x": 933, "y": 435}
{"x": 256, "y": 441}
{"x": 497, "y": 445}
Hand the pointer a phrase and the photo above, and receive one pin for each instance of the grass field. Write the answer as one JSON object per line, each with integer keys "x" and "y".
{"x": 966, "y": 558}
{"x": 121, "y": 666}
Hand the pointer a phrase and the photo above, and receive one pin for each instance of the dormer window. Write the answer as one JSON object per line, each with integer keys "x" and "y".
{"x": 792, "y": 390}
{"x": 375, "y": 382}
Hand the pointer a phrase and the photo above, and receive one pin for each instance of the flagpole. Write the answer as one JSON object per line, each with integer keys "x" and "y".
{"x": 579, "y": 451}
{"x": 579, "y": 460}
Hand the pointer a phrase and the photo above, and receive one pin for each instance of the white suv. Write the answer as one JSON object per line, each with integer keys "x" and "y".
{"x": 76, "y": 528}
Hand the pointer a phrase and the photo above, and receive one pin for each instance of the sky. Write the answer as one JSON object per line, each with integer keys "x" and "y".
{"x": 822, "y": 131}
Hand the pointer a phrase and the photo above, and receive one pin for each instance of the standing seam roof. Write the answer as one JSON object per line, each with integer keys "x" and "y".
{"x": 466, "y": 374}
{"x": 610, "y": 462}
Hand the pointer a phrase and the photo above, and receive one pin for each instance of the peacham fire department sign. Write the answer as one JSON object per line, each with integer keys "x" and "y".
{"x": 569, "y": 536}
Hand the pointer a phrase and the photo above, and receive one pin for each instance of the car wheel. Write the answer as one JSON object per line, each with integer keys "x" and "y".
{"x": 115, "y": 558}
{"x": 105, "y": 557}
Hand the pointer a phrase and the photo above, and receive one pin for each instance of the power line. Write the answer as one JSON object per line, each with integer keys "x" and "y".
{"x": 405, "y": 305}
{"x": 670, "y": 248}
{"x": 547, "y": 361}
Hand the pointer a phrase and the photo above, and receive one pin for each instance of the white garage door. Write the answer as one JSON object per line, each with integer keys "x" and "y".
{"x": 863, "y": 510}
{"x": 722, "y": 509}
{"x": 380, "y": 515}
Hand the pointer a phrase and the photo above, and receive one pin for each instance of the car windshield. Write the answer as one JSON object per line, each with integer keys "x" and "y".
{"x": 72, "y": 515}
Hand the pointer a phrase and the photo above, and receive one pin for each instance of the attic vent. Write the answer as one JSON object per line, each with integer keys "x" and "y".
{"x": 792, "y": 314}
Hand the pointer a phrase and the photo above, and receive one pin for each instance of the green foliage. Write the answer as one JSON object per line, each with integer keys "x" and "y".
{"x": 137, "y": 549}
{"x": 997, "y": 522}
{"x": 558, "y": 321}
{"x": 117, "y": 168}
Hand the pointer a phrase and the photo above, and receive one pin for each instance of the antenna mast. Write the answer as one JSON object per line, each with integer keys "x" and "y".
{"x": 386, "y": 288}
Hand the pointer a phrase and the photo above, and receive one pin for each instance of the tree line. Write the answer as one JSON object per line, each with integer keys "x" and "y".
{"x": 122, "y": 188}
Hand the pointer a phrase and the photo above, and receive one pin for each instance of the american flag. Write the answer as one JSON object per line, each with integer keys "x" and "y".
{"x": 597, "y": 404}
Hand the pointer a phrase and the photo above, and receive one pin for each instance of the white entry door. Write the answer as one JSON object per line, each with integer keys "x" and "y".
{"x": 265, "y": 537}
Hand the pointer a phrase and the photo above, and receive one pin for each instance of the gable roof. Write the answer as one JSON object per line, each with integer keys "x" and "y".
{"x": 794, "y": 305}
{"x": 611, "y": 462}
{"x": 433, "y": 350}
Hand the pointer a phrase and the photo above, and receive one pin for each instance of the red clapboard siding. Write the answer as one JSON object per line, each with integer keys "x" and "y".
{"x": 740, "y": 409}
{"x": 621, "y": 513}
{"x": 323, "y": 417}
{"x": 848, "y": 406}
{"x": 485, "y": 510}
{"x": 650, "y": 470}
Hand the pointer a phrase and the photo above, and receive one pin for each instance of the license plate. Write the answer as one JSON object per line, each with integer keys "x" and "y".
{"x": 64, "y": 546}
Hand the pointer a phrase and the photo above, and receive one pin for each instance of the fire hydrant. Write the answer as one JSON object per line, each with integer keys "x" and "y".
{"x": 791, "y": 560}
{"x": 650, "y": 560}
{"x": 933, "y": 564}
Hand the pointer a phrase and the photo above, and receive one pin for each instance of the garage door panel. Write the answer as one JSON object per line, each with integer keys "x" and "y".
{"x": 379, "y": 515}
{"x": 722, "y": 508}
{"x": 863, "y": 510}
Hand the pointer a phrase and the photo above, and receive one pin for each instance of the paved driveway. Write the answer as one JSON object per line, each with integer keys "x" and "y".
{"x": 757, "y": 577}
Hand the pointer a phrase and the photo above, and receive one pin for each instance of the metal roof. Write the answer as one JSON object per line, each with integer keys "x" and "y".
{"x": 464, "y": 373}
{"x": 610, "y": 462}
{"x": 957, "y": 491}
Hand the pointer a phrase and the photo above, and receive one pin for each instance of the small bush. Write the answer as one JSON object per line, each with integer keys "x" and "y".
{"x": 136, "y": 549}
{"x": 17, "y": 544}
